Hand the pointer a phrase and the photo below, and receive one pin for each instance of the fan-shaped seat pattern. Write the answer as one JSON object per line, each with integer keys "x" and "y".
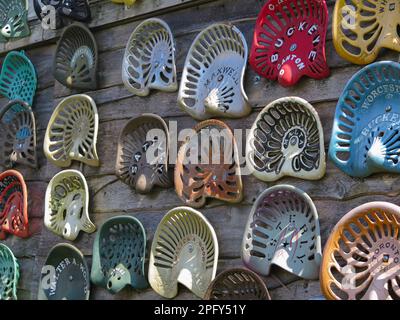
{"x": 149, "y": 60}
{"x": 212, "y": 79}
{"x": 283, "y": 230}
{"x": 184, "y": 250}
{"x": 361, "y": 257}
{"x": 286, "y": 139}
{"x": 76, "y": 58}
{"x": 72, "y": 132}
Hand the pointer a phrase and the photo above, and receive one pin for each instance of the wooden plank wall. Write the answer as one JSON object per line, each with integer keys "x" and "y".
{"x": 334, "y": 195}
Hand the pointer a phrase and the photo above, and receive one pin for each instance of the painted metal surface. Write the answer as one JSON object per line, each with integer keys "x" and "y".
{"x": 13, "y": 19}
{"x": 361, "y": 29}
{"x": 237, "y": 284}
{"x": 18, "y": 79}
{"x": 289, "y": 41}
{"x": 13, "y": 205}
{"x": 76, "y": 58}
{"x": 286, "y": 139}
{"x": 72, "y": 132}
{"x": 9, "y": 274}
{"x": 142, "y": 156}
{"x": 366, "y": 132}
{"x": 283, "y": 230}
{"x": 185, "y": 251}
{"x": 212, "y": 79}
{"x": 66, "y": 211}
{"x": 149, "y": 59}
{"x": 64, "y": 275}
{"x": 361, "y": 256}
{"x": 119, "y": 253}
{"x": 18, "y": 132}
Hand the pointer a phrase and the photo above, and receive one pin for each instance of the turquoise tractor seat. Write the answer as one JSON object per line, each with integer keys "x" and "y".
{"x": 366, "y": 129}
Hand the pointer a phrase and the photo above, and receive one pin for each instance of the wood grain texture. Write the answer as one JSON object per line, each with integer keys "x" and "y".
{"x": 334, "y": 195}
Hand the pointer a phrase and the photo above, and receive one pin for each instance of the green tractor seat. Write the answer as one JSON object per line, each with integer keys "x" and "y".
{"x": 13, "y": 19}
{"x": 18, "y": 79}
{"x": 119, "y": 254}
{"x": 9, "y": 274}
{"x": 65, "y": 275}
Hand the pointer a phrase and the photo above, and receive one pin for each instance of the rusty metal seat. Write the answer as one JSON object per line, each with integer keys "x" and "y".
{"x": 208, "y": 166}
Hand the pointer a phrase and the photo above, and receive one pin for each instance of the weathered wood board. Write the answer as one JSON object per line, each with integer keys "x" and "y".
{"x": 334, "y": 195}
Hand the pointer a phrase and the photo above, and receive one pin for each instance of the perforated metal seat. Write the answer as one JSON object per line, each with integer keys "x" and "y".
{"x": 286, "y": 139}
{"x": 289, "y": 41}
{"x": 361, "y": 257}
{"x": 67, "y": 205}
{"x": 18, "y": 79}
{"x": 149, "y": 59}
{"x": 13, "y": 19}
{"x": 212, "y": 79}
{"x": 72, "y": 132}
{"x": 64, "y": 275}
{"x": 76, "y": 58}
{"x": 361, "y": 29}
{"x": 18, "y": 132}
{"x": 13, "y": 205}
{"x": 237, "y": 284}
{"x": 9, "y": 274}
{"x": 119, "y": 254}
{"x": 184, "y": 250}
{"x": 142, "y": 156}
{"x": 208, "y": 166}
{"x": 283, "y": 230}
{"x": 366, "y": 133}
